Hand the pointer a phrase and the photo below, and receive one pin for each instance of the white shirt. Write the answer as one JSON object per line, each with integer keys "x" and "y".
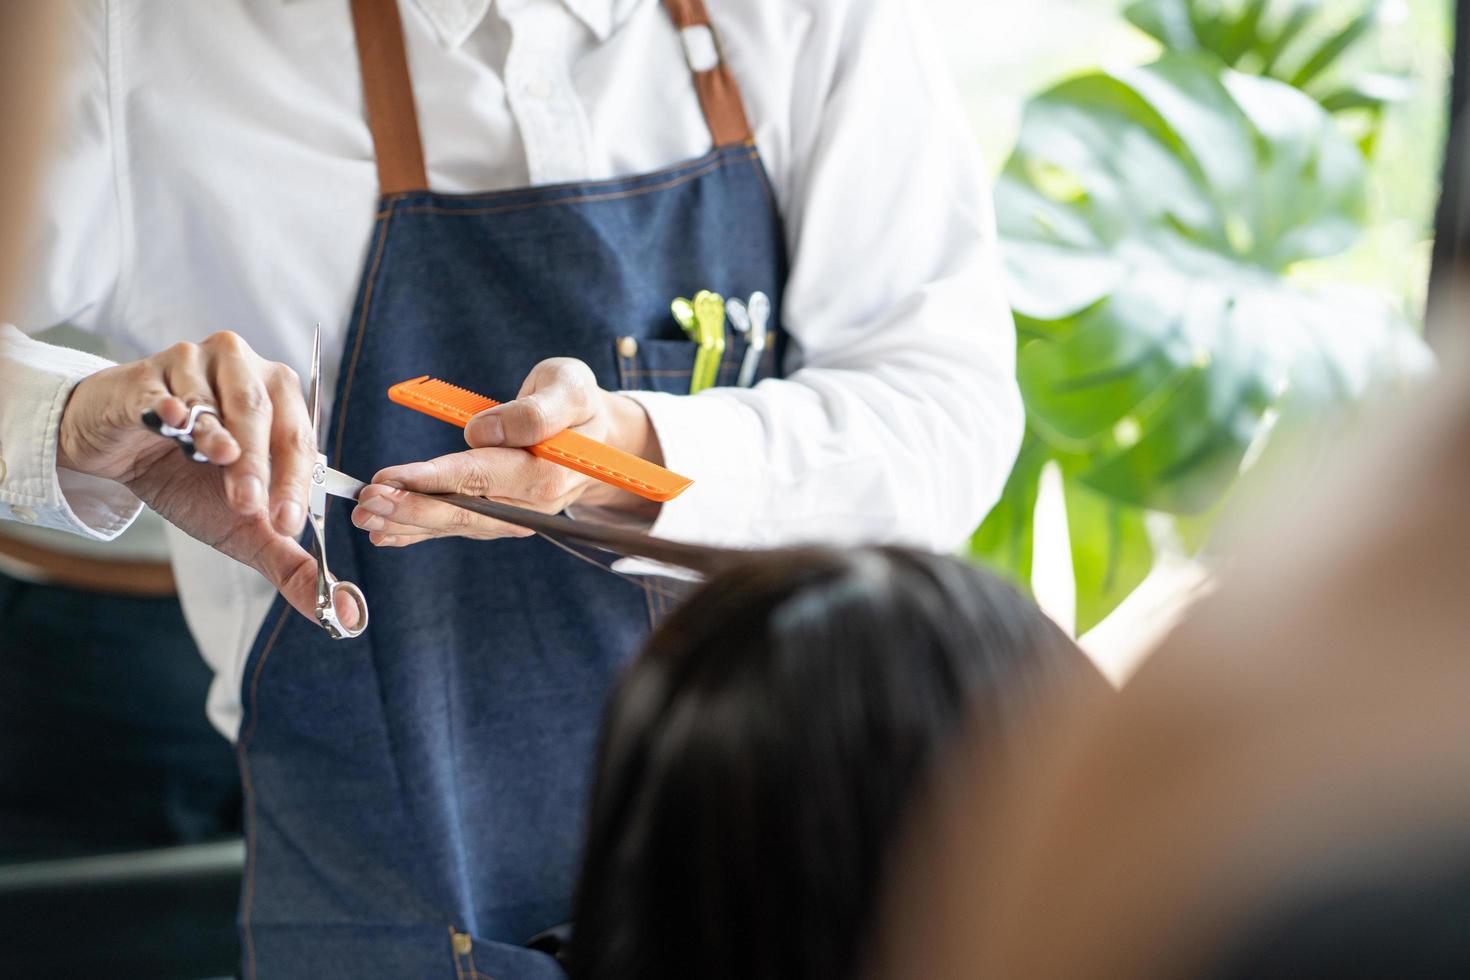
{"x": 215, "y": 171}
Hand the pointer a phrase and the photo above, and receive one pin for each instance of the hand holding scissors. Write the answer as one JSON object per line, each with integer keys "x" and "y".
{"x": 200, "y": 443}
{"x": 242, "y": 412}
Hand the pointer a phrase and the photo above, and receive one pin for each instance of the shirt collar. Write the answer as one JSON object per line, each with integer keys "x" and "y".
{"x": 456, "y": 20}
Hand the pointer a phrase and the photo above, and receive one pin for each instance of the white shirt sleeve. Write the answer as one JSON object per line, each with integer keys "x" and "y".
{"x": 903, "y": 417}
{"x": 74, "y": 247}
{"x": 37, "y": 379}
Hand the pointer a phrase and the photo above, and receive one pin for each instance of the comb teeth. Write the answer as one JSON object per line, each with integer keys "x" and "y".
{"x": 460, "y": 404}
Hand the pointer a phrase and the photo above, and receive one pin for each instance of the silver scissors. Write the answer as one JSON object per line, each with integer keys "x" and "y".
{"x": 327, "y": 481}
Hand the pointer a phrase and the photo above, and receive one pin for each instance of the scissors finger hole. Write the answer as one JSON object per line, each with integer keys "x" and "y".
{"x": 354, "y": 599}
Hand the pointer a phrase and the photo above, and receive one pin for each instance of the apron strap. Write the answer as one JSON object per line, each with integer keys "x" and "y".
{"x": 719, "y": 95}
{"x": 388, "y": 90}
{"x": 388, "y": 93}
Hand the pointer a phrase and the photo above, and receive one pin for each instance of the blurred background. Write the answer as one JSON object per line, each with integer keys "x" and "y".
{"x": 1247, "y": 286}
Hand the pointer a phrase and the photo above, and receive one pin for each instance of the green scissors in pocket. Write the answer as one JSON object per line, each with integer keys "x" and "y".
{"x": 703, "y": 321}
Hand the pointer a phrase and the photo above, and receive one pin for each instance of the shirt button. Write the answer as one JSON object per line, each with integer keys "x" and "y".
{"x": 627, "y": 347}
{"x": 2, "y": 470}
{"x": 539, "y": 89}
{"x": 23, "y": 514}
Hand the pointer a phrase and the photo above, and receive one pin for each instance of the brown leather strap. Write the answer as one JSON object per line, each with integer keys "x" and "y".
{"x": 388, "y": 93}
{"x": 34, "y": 563}
{"x": 719, "y": 95}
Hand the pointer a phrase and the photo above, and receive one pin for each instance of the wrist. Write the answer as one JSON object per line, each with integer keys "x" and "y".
{"x": 630, "y": 430}
{"x": 68, "y": 448}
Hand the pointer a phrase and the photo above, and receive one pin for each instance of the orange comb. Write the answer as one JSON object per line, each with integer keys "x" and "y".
{"x": 450, "y": 403}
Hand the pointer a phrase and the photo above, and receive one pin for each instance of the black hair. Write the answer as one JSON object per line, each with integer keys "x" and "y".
{"x": 757, "y": 757}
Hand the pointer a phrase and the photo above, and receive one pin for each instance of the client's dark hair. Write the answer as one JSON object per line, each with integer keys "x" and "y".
{"x": 757, "y": 757}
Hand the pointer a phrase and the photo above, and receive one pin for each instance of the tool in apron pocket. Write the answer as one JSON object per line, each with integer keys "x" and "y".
{"x": 750, "y": 322}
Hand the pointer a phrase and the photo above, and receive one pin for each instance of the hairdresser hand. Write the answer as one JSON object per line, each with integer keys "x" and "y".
{"x": 251, "y": 504}
{"x": 560, "y": 393}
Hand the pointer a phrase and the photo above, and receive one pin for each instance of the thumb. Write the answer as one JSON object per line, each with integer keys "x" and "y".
{"x": 562, "y": 393}
{"x": 292, "y": 570}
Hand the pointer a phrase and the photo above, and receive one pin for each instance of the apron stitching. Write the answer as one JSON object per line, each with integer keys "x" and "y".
{"x": 248, "y": 890}
{"x": 764, "y": 179}
{"x": 627, "y": 367}
{"x": 367, "y": 301}
{"x": 585, "y": 199}
{"x": 672, "y": 168}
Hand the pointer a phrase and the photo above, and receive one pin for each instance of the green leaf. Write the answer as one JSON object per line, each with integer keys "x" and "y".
{"x": 1111, "y": 551}
{"x": 1192, "y": 446}
{"x": 1371, "y": 90}
{"x": 1166, "y": 21}
{"x": 1300, "y": 42}
{"x": 1152, "y": 222}
{"x": 1006, "y": 540}
{"x": 1299, "y": 16}
{"x": 1332, "y": 48}
{"x": 1080, "y": 389}
{"x": 1243, "y": 33}
{"x": 1162, "y": 322}
{"x": 1208, "y": 23}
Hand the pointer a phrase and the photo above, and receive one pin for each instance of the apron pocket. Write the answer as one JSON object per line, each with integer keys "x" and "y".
{"x": 666, "y": 365}
{"x": 655, "y": 365}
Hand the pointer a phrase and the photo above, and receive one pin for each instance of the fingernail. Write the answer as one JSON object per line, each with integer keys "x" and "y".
{"x": 394, "y": 484}
{"x": 371, "y": 523}
{"x": 250, "y": 492}
{"x": 485, "y": 430}
{"x": 289, "y": 516}
{"x": 377, "y": 505}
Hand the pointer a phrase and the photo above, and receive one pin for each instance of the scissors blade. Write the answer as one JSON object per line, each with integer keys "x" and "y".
{"x": 339, "y": 484}
{"x": 314, "y": 400}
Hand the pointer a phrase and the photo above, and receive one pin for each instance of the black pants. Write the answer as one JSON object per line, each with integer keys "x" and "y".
{"x": 104, "y": 745}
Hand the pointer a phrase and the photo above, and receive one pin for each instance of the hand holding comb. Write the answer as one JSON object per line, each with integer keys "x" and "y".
{"x": 450, "y": 403}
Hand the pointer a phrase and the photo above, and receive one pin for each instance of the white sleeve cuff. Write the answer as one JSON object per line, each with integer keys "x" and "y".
{"x": 716, "y": 441}
{"x": 37, "y": 379}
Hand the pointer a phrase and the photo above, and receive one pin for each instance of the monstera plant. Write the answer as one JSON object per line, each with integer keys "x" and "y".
{"x": 1151, "y": 220}
{"x": 1300, "y": 42}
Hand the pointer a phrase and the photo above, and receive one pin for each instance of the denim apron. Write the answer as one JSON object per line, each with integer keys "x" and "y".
{"x": 414, "y": 797}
